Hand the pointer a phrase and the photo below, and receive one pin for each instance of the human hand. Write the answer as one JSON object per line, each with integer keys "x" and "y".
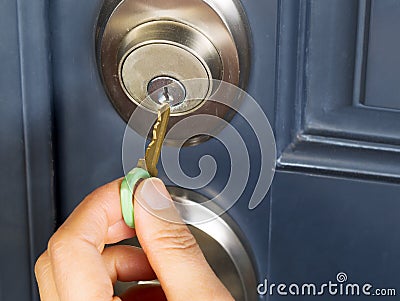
{"x": 77, "y": 265}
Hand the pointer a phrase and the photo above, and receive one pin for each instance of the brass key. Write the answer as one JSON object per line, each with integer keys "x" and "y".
{"x": 146, "y": 167}
{"x": 153, "y": 151}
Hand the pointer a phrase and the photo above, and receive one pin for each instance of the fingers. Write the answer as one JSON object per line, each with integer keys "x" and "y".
{"x": 45, "y": 279}
{"x": 171, "y": 249}
{"x": 127, "y": 263}
{"x": 98, "y": 218}
{"x": 78, "y": 268}
{"x": 118, "y": 232}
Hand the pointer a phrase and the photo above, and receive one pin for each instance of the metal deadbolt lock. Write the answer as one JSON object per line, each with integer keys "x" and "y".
{"x": 156, "y": 47}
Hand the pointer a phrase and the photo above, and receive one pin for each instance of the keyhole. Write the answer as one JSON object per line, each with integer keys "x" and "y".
{"x": 166, "y": 95}
{"x": 165, "y": 89}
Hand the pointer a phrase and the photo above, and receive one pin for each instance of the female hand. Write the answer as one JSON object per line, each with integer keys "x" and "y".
{"x": 77, "y": 266}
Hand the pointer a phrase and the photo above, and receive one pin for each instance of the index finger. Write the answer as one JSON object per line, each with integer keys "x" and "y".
{"x": 98, "y": 218}
{"x": 75, "y": 249}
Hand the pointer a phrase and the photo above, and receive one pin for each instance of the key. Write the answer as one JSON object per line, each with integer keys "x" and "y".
{"x": 153, "y": 151}
{"x": 146, "y": 167}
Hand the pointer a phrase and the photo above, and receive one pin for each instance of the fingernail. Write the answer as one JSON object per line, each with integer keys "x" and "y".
{"x": 155, "y": 195}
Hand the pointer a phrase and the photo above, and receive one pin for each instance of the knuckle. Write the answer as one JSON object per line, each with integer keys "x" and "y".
{"x": 176, "y": 237}
{"x": 40, "y": 264}
{"x": 57, "y": 245}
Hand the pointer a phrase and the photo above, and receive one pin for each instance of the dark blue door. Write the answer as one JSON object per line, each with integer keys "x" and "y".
{"x": 325, "y": 72}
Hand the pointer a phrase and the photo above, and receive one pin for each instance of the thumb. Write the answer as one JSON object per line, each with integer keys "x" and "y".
{"x": 172, "y": 250}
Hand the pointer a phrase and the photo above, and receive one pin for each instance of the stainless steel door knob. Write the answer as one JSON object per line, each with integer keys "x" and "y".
{"x": 144, "y": 45}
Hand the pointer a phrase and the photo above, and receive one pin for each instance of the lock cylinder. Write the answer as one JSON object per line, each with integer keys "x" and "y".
{"x": 167, "y": 49}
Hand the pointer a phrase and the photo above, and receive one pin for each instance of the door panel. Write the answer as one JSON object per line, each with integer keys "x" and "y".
{"x": 335, "y": 195}
{"x": 323, "y": 226}
{"x": 325, "y": 73}
{"x": 332, "y": 129}
{"x": 382, "y": 64}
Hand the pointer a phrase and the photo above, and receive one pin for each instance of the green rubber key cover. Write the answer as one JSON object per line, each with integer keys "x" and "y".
{"x": 126, "y": 193}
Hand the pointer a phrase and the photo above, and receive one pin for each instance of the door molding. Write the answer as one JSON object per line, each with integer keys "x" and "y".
{"x": 322, "y": 123}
